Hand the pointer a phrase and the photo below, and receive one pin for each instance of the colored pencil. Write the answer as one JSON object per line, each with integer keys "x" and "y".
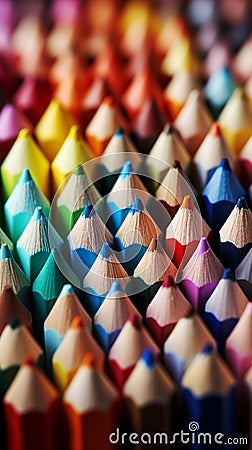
{"x": 235, "y": 120}
{"x": 238, "y": 349}
{"x": 243, "y": 275}
{"x": 149, "y": 396}
{"x": 12, "y": 121}
{"x": 31, "y": 411}
{"x": 98, "y": 281}
{"x": 173, "y": 189}
{"x": 220, "y": 195}
{"x": 168, "y": 147}
{"x": 34, "y": 245}
{"x": 68, "y": 357}
{"x": 236, "y": 235}
{"x": 12, "y": 275}
{"x": 224, "y": 308}
{"x": 210, "y": 395}
{"x": 73, "y": 152}
{"x": 178, "y": 89}
{"x": 112, "y": 315}
{"x": 11, "y": 306}
{"x": 218, "y": 90}
{"x": 119, "y": 150}
{"x": 16, "y": 344}
{"x": 21, "y": 204}
{"x": 52, "y": 129}
{"x": 58, "y": 321}
{"x": 209, "y": 155}
{"x": 185, "y": 231}
{"x": 134, "y": 236}
{"x": 147, "y": 126}
{"x": 25, "y": 154}
{"x": 102, "y": 126}
{"x": 200, "y": 276}
{"x": 86, "y": 239}
{"x": 126, "y": 189}
{"x": 165, "y": 309}
{"x": 32, "y": 98}
{"x": 189, "y": 336}
{"x": 150, "y": 272}
{"x": 121, "y": 363}
{"x": 84, "y": 408}
{"x": 70, "y": 201}
{"x": 193, "y": 121}
{"x": 245, "y": 162}
{"x": 45, "y": 291}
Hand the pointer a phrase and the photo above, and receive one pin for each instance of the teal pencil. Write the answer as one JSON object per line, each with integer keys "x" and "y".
{"x": 20, "y": 206}
{"x": 34, "y": 245}
{"x": 45, "y": 290}
{"x": 12, "y": 275}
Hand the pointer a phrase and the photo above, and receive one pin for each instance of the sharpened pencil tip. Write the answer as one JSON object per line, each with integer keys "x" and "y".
{"x": 76, "y": 323}
{"x": 119, "y": 132}
{"x": 176, "y": 165}
{"x": 105, "y": 251}
{"x": 148, "y": 358}
{"x": 241, "y": 203}
{"x": 25, "y": 177}
{"x": 5, "y": 252}
{"x": 79, "y": 170}
{"x": 208, "y": 349}
{"x": 203, "y": 246}
{"x": 225, "y": 164}
{"x": 127, "y": 170}
{"x": 89, "y": 361}
{"x": 38, "y": 213}
{"x": 66, "y": 290}
{"x": 15, "y": 323}
{"x": 88, "y": 208}
{"x": 169, "y": 282}
{"x": 137, "y": 206}
{"x": 135, "y": 321}
{"x": 228, "y": 275}
{"x": 28, "y": 362}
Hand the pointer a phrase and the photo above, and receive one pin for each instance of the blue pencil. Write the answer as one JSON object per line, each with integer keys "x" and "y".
{"x": 112, "y": 315}
{"x": 209, "y": 397}
{"x": 224, "y": 308}
{"x": 220, "y": 195}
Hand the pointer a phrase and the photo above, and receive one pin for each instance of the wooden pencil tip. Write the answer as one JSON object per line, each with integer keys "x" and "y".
{"x": 5, "y": 252}
{"x": 89, "y": 360}
{"x": 25, "y": 177}
{"x": 208, "y": 349}
{"x": 228, "y": 275}
{"x": 203, "y": 246}
{"x": 28, "y": 362}
{"x": 108, "y": 101}
{"x": 148, "y": 358}
{"x": 241, "y": 203}
{"x": 225, "y": 164}
{"x": 187, "y": 202}
{"x": 74, "y": 133}
{"x": 38, "y": 213}
{"x": 169, "y": 282}
{"x": 88, "y": 208}
{"x": 135, "y": 321}
{"x": 169, "y": 129}
{"x": 137, "y": 206}
{"x": 15, "y": 323}
{"x": 77, "y": 323}
{"x": 176, "y": 165}
{"x": 116, "y": 287}
{"x": 23, "y": 134}
{"x": 119, "y": 132}
{"x": 105, "y": 251}
{"x": 79, "y": 170}
{"x": 66, "y": 290}
{"x": 215, "y": 130}
{"x": 127, "y": 170}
